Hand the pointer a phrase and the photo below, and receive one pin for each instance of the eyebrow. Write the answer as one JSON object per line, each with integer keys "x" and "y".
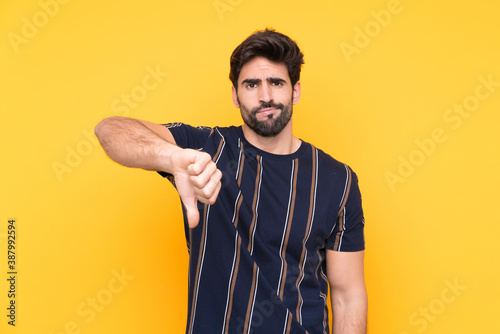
{"x": 255, "y": 81}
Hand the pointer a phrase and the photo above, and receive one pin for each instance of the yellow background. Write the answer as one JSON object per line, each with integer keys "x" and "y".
{"x": 82, "y": 218}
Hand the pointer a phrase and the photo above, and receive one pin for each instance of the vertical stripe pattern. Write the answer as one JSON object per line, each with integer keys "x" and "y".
{"x": 234, "y": 271}
{"x": 241, "y": 163}
{"x": 255, "y": 204}
{"x": 234, "y": 274}
{"x": 251, "y": 299}
{"x": 230, "y": 283}
{"x": 341, "y": 214}
{"x": 201, "y": 254}
{"x": 288, "y": 225}
{"x": 310, "y": 218}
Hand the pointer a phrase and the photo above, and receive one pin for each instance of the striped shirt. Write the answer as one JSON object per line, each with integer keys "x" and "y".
{"x": 257, "y": 257}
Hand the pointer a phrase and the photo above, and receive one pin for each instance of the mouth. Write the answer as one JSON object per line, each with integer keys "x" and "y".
{"x": 267, "y": 111}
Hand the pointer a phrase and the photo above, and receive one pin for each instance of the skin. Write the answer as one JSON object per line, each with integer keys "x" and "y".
{"x": 150, "y": 146}
{"x": 347, "y": 290}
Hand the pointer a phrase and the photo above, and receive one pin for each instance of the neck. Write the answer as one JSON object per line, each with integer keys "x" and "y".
{"x": 283, "y": 143}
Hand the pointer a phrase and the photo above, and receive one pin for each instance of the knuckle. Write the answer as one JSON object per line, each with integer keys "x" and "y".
{"x": 205, "y": 157}
{"x": 193, "y": 180}
{"x": 197, "y": 182}
{"x": 193, "y": 169}
{"x": 207, "y": 193}
{"x": 211, "y": 166}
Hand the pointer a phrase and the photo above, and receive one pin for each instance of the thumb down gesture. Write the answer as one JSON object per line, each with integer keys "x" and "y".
{"x": 196, "y": 179}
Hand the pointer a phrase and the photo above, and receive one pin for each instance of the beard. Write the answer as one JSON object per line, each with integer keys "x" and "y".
{"x": 273, "y": 124}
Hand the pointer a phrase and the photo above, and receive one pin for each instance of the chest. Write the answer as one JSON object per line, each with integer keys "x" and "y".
{"x": 275, "y": 203}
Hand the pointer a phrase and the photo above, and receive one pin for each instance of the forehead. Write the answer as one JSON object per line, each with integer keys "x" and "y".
{"x": 261, "y": 68}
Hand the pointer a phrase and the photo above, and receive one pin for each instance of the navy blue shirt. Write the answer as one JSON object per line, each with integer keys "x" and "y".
{"x": 257, "y": 257}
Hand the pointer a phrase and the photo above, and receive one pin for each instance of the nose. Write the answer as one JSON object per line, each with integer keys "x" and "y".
{"x": 265, "y": 93}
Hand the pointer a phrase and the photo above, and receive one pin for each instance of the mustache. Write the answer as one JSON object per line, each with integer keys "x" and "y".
{"x": 266, "y": 105}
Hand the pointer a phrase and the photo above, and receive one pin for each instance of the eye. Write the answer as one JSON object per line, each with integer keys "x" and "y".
{"x": 251, "y": 85}
{"x": 277, "y": 83}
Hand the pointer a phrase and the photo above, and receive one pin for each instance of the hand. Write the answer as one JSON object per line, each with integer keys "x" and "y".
{"x": 197, "y": 179}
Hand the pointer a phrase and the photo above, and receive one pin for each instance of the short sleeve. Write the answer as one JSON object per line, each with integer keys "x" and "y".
{"x": 348, "y": 233}
{"x": 187, "y": 136}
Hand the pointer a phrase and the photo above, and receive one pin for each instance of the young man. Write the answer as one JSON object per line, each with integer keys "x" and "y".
{"x": 270, "y": 220}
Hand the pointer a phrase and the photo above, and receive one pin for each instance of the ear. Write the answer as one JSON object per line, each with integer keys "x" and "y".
{"x": 296, "y": 93}
{"x": 235, "y": 98}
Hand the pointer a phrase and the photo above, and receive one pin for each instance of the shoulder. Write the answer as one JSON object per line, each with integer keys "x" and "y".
{"x": 226, "y": 131}
{"x": 336, "y": 179}
{"x": 188, "y": 136}
{"x": 331, "y": 164}
{"x": 179, "y": 126}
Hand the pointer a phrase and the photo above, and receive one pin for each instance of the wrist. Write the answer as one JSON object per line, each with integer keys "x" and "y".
{"x": 166, "y": 157}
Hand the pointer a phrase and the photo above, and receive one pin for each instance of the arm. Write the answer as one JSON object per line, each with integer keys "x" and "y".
{"x": 136, "y": 143}
{"x": 142, "y": 144}
{"x": 348, "y": 293}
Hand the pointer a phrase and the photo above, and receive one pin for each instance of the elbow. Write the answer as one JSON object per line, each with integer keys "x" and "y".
{"x": 100, "y": 128}
{"x": 104, "y": 127}
{"x": 353, "y": 296}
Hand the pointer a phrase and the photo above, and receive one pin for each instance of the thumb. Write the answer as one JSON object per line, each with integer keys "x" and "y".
{"x": 192, "y": 214}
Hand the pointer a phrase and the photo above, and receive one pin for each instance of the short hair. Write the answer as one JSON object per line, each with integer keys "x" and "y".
{"x": 269, "y": 44}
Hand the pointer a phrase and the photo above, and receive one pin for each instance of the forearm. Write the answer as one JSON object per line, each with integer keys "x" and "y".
{"x": 349, "y": 315}
{"x": 132, "y": 144}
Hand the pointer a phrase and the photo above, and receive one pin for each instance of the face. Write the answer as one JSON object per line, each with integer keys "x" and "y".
{"x": 265, "y": 96}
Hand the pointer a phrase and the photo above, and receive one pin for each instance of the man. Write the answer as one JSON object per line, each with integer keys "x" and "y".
{"x": 270, "y": 219}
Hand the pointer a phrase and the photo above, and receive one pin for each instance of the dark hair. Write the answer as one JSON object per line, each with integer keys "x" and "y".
{"x": 269, "y": 44}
